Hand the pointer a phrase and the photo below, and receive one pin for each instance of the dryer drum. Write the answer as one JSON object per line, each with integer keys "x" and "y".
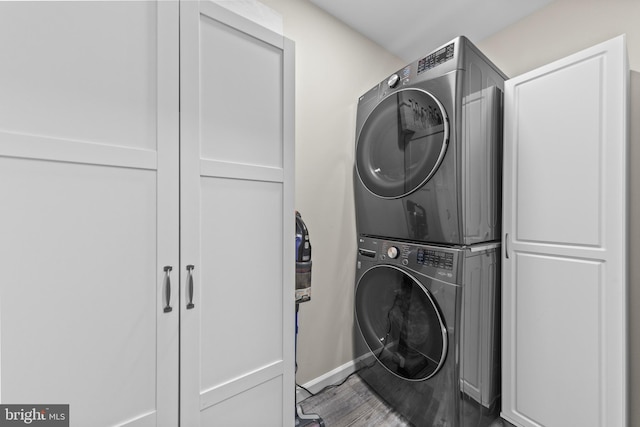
{"x": 402, "y": 143}
{"x": 400, "y": 323}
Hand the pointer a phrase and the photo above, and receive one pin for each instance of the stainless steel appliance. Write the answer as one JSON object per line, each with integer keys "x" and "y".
{"x": 427, "y": 155}
{"x": 427, "y": 185}
{"x": 430, "y": 330}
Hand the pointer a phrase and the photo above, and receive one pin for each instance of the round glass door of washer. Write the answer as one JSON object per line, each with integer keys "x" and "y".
{"x": 401, "y": 323}
{"x": 402, "y": 143}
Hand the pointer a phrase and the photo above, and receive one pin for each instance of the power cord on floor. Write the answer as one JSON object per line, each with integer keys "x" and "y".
{"x": 338, "y": 384}
{"x": 385, "y": 339}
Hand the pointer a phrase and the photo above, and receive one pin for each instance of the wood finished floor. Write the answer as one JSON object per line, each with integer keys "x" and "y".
{"x": 353, "y": 404}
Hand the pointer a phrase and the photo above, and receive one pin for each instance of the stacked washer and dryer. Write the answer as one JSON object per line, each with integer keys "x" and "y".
{"x": 427, "y": 186}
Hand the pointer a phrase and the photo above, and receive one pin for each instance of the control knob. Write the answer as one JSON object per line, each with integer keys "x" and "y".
{"x": 392, "y": 252}
{"x": 393, "y": 81}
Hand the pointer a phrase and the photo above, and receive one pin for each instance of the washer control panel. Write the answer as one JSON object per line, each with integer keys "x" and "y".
{"x": 435, "y": 261}
{"x": 392, "y": 252}
{"x": 435, "y": 258}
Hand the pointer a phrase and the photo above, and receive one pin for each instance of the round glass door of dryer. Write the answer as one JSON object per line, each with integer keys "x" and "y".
{"x": 400, "y": 323}
{"x": 402, "y": 143}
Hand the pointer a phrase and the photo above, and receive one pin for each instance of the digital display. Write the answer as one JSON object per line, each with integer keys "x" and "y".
{"x": 441, "y": 55}
{"x": 435, "y": 259}
{"x": 436, "y": 58}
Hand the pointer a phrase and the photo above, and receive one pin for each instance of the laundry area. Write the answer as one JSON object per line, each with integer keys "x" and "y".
{"x": 309, "y": 213}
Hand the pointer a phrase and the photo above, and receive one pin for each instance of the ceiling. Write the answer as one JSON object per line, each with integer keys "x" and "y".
{"x": 412, "y": 28}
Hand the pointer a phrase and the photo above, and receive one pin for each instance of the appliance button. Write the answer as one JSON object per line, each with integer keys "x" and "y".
{"x": 392, "y": 252}
{"x": 393, "y": 81}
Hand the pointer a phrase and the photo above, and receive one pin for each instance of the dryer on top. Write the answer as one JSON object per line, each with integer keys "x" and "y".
{"x": 428, "y": 150}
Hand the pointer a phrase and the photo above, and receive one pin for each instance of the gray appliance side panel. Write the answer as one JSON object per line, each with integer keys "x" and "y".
{"x": 480, "y": 333}
{"x": 481, "y": 149}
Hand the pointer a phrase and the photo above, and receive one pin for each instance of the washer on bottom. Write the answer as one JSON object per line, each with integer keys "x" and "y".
{"x": 428, "y": 318}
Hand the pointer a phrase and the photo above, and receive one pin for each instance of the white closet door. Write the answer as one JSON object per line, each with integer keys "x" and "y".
{"x": 565, "y": 217}
{"x": 237, "y": 221}
{"x": 88, "y": 131}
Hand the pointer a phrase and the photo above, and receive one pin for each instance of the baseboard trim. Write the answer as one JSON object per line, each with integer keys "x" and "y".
{"x": 334, "y": 376}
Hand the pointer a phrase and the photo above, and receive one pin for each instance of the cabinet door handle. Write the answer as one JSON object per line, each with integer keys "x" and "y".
{"x": 167, "y": 288}
{"x": 506, "y": 246}
{"x": 190, "y": 268}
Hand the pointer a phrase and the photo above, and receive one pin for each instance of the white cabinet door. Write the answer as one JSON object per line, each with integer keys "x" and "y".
{"x": 237, "y": 221}
{"x": 564, "y": 260}
{"x": 88, "y": 131}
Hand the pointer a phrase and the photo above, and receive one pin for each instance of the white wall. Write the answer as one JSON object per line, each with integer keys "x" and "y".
{"x": 562, "y": 28}
{"x": 334, "y": 66}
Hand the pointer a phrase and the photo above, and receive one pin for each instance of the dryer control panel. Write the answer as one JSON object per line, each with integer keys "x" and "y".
{"x": 438, "y": 57}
